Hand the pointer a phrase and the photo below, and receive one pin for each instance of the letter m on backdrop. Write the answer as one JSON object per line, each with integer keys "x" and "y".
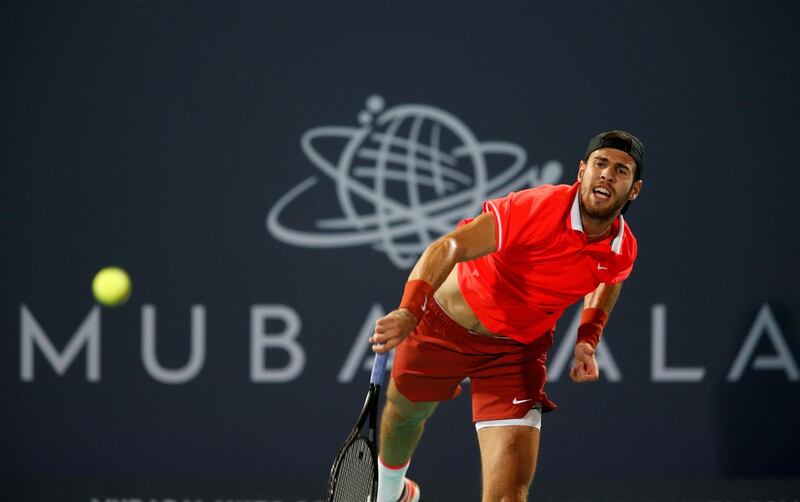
{"x": 32, "y": 335}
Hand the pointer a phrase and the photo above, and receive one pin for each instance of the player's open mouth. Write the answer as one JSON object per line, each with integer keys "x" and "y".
{"x": 602, "y": 193}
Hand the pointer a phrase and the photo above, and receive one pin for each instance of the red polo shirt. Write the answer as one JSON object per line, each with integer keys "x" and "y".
{"x": 543, "y": 263}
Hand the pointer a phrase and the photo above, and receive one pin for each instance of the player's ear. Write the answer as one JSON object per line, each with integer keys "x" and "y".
{"x": 635, "y": 189}
{"x": 581, "y": 169}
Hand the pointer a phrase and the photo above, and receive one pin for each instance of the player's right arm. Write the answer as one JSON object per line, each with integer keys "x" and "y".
{"x": 468, "y": 242}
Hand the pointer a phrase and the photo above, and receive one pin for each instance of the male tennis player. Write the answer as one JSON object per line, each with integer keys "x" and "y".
{"x": 482, "y": 302}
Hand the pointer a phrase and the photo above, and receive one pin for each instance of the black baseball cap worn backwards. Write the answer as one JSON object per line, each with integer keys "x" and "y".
{"x": 619, "y": 140}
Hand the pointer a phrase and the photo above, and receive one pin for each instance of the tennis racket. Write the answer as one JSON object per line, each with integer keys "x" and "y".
{"x": 354, "y": 475}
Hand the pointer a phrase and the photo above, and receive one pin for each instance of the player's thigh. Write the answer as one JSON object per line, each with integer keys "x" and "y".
{"x": 508, "y": 458}
{"x": 404, "y": 409}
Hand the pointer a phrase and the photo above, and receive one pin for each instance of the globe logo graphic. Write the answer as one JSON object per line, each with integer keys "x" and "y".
{"x": 407, "y": 176}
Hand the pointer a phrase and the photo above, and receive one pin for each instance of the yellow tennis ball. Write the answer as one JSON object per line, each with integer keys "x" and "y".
{"x": 111, "y": 286}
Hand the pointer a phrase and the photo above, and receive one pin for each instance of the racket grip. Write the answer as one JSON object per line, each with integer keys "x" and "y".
{"x": 379, "y": 368}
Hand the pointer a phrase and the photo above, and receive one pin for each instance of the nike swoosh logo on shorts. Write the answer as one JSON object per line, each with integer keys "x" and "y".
{"x": 600, "y": 267}
{"x": 520, "y": 401}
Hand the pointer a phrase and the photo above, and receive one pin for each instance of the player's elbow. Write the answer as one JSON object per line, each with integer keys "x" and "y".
{"x": 447, "y": 249}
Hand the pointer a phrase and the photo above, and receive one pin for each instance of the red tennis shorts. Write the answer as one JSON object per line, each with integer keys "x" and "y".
{"x": 506, "y": 377}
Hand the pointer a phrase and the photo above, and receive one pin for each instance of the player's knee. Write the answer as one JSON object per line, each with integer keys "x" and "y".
{"x": 518, "y": 483}
{"x": 407, "y": 413}
{"x": 511, "y": 492}
{"x": 402, "y": 411}
{"x": 519, "y": 494}
{"x": 521, "y": 488}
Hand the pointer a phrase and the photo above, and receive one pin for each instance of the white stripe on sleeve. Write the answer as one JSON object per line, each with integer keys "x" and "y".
{"x": 496, "y": 214}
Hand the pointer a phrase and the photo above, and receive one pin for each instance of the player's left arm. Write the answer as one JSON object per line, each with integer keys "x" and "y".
{"x": 597, "y": 306}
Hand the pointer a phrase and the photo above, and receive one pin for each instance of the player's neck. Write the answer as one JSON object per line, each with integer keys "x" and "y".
{"x": 596, "y": 229}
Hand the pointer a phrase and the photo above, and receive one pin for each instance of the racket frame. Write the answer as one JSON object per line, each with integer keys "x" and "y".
{"x": 369, "y": 413}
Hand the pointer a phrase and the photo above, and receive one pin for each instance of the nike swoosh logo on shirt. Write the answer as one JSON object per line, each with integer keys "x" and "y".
{"x": 520, "y": 401}
{"x": 600, "y": 267}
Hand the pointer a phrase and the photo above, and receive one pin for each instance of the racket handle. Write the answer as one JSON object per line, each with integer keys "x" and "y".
{"x": 379, "y": 368}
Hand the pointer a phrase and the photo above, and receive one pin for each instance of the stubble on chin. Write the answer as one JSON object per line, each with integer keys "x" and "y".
{"x": 602, "y": 214}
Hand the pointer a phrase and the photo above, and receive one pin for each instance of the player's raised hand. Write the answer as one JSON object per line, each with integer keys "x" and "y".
{"x": 392, "y": 329}
{"x": 584, "y": 366}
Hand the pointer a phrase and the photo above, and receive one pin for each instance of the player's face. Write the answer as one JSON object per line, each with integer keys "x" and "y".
{"x": 607, "y": 183}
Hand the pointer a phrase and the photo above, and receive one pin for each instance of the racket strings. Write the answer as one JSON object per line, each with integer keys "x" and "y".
{"x": 356, "y": 474}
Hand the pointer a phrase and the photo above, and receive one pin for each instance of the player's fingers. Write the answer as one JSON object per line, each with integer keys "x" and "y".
{"x": 580, "y": 372}
{"x": 381, "y": 324}
{"x": 386, "y": 336}
{"x": 573, "y": 374}
{"x": 386, "y": 326}
{"x": 378, "y": 343}
{"x": 380, "y": 348}
{"x": 381, "y": 337}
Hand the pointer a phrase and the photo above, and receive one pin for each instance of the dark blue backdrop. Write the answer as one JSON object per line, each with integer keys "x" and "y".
{"x": 163, "y": 137}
